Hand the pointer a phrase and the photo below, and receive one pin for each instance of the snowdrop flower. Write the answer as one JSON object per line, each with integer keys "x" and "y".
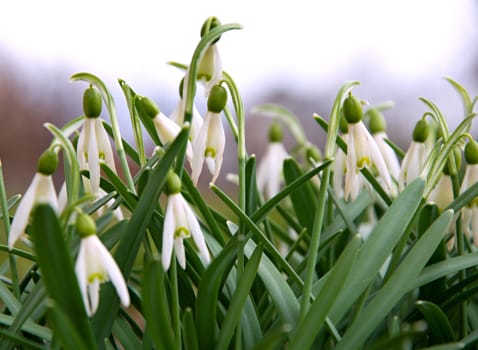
{"x": 362, "y": 151}
{"x": 167, "y": 129}
{"x": 269, "y": 171}
{"x": 178, "y": 114}
{"x": 415, "y": 158}
{"x": 470, "y": 212}
{"x": 180, "y": 222}
{"x": 93, "y": 143}
{"x": 211, "y": 140}
{"x": 210, "y": 66}
{"x": 378, "y": 130}
{"x": 340, "y": 163}
{"x": 41, "y": 190}
{"x": 95, "y": 265}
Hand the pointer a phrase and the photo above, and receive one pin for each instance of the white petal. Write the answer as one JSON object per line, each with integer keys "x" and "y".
{"x": 45, "y": 192}
{"x": 81, "y": 275}
{"x": 104, "y": 144}
{"x": 196, "y": 232}
{"x": 113, "y": 271}
{"x": 180, "y": 253}
{"x": 169, "y": 227}
{"x": 93, "y": 158}
{"x": 339, "y": 169}
{"x": 217, "y": 137}
{"x": 81, "y": 149}
{"x": 166, "y": 128}
{"x": 388, "y": 154}
{"x": 94, "y": 295}
{"x": 62, "y": 198}
{"x": 22, "y": 214}
{"x": 442, "y": 193}
{"x": 198, "y": 148}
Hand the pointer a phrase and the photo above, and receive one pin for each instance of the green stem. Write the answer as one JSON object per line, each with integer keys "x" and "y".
{"x": 6, "y": 221}
{"x": 175, "y": 303}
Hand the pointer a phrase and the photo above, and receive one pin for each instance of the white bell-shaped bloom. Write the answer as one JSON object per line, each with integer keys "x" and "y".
{"x": 180, "y": 222}
{"x": 362, "y": 151}
{"x": 269, "y": 172}
{"x": 168, "y": 130}
{"x": 41, "y": 190}
{"x": 442, "y": 194}
{"x": 210, "y": 68}
{"x": 95, "y": 265}
{"x": 209, "y": 147}
{"x": 388, "y": 154}
{"x": 412, "y": 164}
{"x": 340, "y": 168}
{"x": 94, "y": 146}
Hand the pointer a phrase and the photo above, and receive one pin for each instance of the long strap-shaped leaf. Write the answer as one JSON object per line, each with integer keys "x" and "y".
{"x": 396, "y": 286}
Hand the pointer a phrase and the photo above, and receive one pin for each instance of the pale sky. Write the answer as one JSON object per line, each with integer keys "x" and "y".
{"x": 301, "y": 39}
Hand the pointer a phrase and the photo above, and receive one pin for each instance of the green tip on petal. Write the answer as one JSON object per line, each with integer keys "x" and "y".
{"x": 48, "y": 162}
{"x": 85, "y": 225}
{"x": 217, "y": 99}
{"x": 211, "y": 23}
{"x": 275, "y": 133}
{"x": 421, "y": 131}
{"x": 149, "y": 107}
{"x": 352, "y": 109}
{"x": 173, "y": 184}
{"x": 377, "y": 121}
{"x": 92, "y": 102}
{"x": 471, "y": 152}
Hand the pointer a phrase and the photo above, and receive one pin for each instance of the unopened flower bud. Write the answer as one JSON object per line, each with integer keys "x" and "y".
{"x": 275, "y": 133}
{"x": 211, "y": 23}
{"x": 421, "y": 131}
{"x": 92, "y": 102}
{"x": 377, "y": 121}
{"x": 149, "y": 107}
{"x": 217, "y": 99}
{"x": 352, "y": 109}
{"x": 48, "y": 162}
{"x": 471, "y": 152}
{"x": 85, "y": 225}
{"x": 173, "y": 184}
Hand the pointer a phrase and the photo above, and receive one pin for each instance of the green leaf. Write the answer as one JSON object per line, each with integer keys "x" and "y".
{"x": 398, "y": 284}
{"x": 156, "y": 306}
{"x": 125, "y": 335}
{"x": 58, "y": 273}
{"x": 465, "y": 97}
{"x": 438, "y": 323}
{"x": 274, "y": 339}
{"x": 304, "y": 198}
{"x": 190, "y": 339}
{"x": 310, "y": 326}
{"x": 233, "y": 314}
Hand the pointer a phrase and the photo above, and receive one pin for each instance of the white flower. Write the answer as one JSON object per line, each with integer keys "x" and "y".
{"x": 210, "y": 68}
{"x": 94, "y": 146}
{"x": 95, "y": 265}
{"x": 340, "y": 168}
{"x": 442, "y": 193}
{"x": 388, "y": 154}
{"x": 362, "y": 151}
{"x": 412, "y": 164}
{"x": 180, "y": 222}
{"x": 41, "y": 190}
{"x": 269, "y": 171}
{"x": 168, "y": 130}
{"x": 470, "y": 212}
{"x": 209, "y": 146}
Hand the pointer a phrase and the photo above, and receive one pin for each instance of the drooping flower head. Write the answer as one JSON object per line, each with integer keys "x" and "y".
{"x": 211, "y": 141}
{"x": 41, "y": 190}
{"x": 167, "y": 129}
{"x": 269, "y": 171}
{"x": 95, "y": 265}
{"x": 416, "y": 156}
{"x": 378, "y": 129}
{"x": 210, "y": 67}
{"x": 180, "y": 222}
{"x": 362, "y": 150}
{"x": 93, "y": 143}
{"x": 470, "y": 211}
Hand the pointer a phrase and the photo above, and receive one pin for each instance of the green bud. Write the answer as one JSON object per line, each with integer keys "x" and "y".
{"x": 173, "y": 184}
{"x": 217, "y": 99}
{"x": 421, "y": 131}
{"x": 149, "y": 107}
{"x": 471, "y": 152}
{"x": 457, "y": 155}
{"x": 344, "y": 127}
{"x": 352, "y": 109}
{"x": 211, "y": 23}
{"x": 85, "y": 225}
{"x": 377, "y": 121}
{"x": 275, "y": 133}
{"x": 92, "y": 102}
{"x": 48, "y": 162}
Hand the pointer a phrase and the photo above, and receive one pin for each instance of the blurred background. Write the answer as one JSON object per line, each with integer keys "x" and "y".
{"x": 296, "y": 54}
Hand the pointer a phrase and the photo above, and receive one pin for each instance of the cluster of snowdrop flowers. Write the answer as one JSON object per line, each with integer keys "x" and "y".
{"x": 180, "y": 222}
{"x": 95, "y": 265}
{"x": 40, "y": 191}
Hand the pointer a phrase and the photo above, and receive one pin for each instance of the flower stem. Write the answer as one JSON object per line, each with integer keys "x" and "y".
{"x": 175, "y": 303}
